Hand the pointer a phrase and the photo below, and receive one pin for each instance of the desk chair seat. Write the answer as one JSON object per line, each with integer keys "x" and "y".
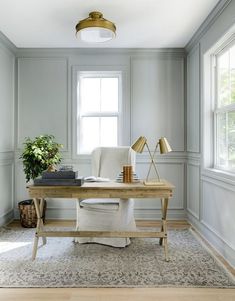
{"x": 107, "y": 214}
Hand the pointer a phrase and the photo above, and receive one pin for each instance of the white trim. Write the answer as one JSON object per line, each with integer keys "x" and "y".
{"x": 219, "y": 178}
{"x": 35, "y": 52}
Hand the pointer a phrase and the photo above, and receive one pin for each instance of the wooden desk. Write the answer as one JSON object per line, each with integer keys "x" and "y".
{"x": 100, "y": 190}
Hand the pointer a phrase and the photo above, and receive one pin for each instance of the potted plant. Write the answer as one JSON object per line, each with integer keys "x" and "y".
{"x": 39, "y": 154}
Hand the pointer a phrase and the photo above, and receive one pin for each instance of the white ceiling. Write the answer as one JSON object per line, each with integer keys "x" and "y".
{"x": 140, "y": 23}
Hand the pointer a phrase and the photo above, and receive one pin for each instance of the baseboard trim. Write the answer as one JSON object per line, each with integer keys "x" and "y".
{"x": 7, "y": 218}
{"x": 145, "y": 214}
{"x": 214, "y": 240}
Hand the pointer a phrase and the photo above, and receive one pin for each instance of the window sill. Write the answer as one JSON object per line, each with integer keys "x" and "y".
{"x": 220, "y": 175}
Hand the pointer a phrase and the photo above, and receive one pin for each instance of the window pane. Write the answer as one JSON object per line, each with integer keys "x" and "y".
{"x": 108, "y": 131}
{"x": 89, "y": 134}
{"x": 90, "y": 95}
{"x": 97, "y": 131}
{"x": 222, "y": 156}
{"x": 223, "y": 80}
{"x": 232, "y": 73}
{"x": 109, "y": 94}
{"x": 231, "y": 139}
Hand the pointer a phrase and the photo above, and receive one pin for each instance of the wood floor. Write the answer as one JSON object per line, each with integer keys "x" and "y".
{"x": 119, "y": 294}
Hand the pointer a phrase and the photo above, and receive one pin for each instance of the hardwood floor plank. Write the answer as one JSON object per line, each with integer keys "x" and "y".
{"x": 117, "y": 294}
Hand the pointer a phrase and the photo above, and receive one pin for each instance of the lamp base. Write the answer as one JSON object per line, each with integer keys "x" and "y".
{"x": 154, "y": 183}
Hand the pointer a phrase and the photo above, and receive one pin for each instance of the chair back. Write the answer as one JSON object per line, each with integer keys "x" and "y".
{"x": 107, "y": 162}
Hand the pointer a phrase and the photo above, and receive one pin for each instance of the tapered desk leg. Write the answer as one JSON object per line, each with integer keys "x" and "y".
{"x": 38, "y": 203}
{"x": 163, "y": 241}
{"x": 44, "y": 239}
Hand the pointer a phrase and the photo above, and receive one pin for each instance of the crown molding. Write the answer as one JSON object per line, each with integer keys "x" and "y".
{"x": 7, "y": 43}
{"x": 209, "y": 21}
{"x": 99, "y": 51}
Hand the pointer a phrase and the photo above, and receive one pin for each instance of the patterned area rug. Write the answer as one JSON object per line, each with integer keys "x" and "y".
{"x": 62, "y": 263}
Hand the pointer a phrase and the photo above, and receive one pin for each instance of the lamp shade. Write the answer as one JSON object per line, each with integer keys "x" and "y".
{"x": 139, "y": 144}
{"x": 164, "y": 146}
{"x": 95, "y": 29}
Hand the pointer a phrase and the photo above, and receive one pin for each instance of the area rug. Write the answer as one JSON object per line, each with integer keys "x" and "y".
{"x": 62, "y": 263}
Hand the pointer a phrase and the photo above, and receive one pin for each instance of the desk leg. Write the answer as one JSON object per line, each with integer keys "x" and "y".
{"x": 39, "y": 211}
{"x": 163, "y": 241}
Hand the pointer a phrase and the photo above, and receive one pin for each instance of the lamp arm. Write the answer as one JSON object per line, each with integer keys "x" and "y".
{"x": 152, "y": 162}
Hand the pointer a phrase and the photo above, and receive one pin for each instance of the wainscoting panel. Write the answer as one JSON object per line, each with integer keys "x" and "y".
{"x": 174, "y": 172}
{"x": 193, "y": 189}
{"x": 7, "y": 190}
{"x": 218, "y": 211}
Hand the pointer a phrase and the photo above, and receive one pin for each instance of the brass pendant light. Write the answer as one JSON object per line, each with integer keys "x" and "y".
{"x": 95, "y": 29}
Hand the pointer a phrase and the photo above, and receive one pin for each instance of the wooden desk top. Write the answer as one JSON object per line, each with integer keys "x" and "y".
{"x": 102, "y": 190}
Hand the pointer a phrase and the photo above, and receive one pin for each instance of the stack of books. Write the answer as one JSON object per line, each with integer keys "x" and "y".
{"x": 59, "y": 178}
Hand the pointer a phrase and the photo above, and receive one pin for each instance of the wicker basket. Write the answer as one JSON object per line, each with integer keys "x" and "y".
{"x": 28, "y": 216}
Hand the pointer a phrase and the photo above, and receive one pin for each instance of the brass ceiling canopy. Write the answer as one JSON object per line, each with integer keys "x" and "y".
{"x": 95, "y": 29}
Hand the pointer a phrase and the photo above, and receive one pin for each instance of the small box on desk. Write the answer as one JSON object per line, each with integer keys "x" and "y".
{"x": 59, "y": 182}
{"x": 66, "y": 174}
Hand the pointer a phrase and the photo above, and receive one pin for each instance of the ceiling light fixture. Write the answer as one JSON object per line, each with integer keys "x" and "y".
{"x": 95, "y": 29}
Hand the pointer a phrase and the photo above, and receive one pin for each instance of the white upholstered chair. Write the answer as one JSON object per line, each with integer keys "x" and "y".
{"x": 107, "y": 214}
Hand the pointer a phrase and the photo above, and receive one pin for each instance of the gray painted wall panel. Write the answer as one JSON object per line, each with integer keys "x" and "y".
{"x": 193, "y": 101}
{"x": 7, "y": 64}
{"x": 42, "y": 98}
{"x": 158, "y": 100}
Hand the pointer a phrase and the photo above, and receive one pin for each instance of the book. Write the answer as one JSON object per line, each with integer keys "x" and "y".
{"x": 96, "y": 179}
{"x": 59, "y": 182}
{"x": 65, "y": 174}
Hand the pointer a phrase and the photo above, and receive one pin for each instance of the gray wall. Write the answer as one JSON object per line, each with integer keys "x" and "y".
{"x": 7, "y": 63}
{"x": 210, "y": 194}
{"x": 154, "y": 107}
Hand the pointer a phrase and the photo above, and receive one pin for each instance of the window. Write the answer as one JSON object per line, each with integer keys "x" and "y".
{"x": 98, "y": 110}
{"x": 224, "y": 112}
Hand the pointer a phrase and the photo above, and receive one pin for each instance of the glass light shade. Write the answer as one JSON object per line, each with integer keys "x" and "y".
{"x": 96, "y": 34}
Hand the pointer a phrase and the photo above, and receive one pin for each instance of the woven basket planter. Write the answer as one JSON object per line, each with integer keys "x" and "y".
{"x": 28, "y": 216}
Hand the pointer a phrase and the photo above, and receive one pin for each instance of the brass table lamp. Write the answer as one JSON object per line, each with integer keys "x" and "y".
{"x": 138, "y": 146}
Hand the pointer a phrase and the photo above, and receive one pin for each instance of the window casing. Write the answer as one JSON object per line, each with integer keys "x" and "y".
{"x": 224, "y": 108}
{"x": 99, "y": 109}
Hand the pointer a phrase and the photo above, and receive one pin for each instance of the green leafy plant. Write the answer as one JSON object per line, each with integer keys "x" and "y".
{"x": 39, "y": 154}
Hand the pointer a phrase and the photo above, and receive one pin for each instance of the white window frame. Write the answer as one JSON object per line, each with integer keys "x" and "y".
{"x": 208, "y": 166}
{"x": 118, "y": 114}
{"x": 223, "y": 109}
{"x": 124, "y": 103}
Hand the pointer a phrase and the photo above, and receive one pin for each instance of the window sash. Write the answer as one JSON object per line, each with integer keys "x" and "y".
{"x": 218, "y": 111}
{"x": 81, "y": 114}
